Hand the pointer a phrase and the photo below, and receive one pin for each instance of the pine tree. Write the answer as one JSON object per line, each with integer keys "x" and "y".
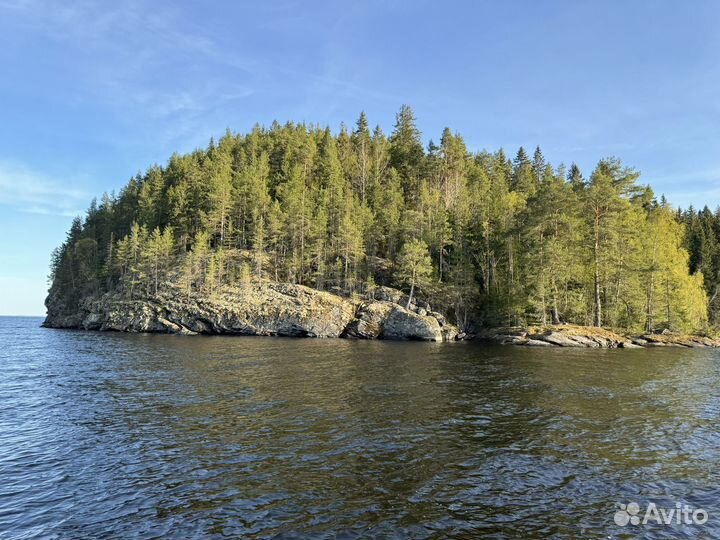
{"x": 361, "y": 142}
{"x": 538, "y": 165}
{"x": 406, "y": 150}
{"x": 575, "y": 178}
{"x": 414, "y": 266}
{"x": 245, "y": 274}
{"x": 524, "y": 178}
{"x": 187, "y": 274}
{"x": 153, "y": 257}
{"x": 221, "y": 192}
{"x": 606, "y": 200}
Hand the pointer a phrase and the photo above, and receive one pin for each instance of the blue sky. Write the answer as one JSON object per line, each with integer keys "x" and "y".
{"x": 93, "y": 92}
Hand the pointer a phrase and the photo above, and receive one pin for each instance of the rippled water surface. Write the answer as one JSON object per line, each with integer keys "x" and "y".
{"x": 122, "y": 436}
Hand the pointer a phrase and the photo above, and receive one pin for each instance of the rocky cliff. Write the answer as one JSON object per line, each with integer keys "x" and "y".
{"x": 264, "y": 309}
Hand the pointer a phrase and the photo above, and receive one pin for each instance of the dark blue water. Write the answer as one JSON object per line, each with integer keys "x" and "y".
{"x": 133, "y": 436}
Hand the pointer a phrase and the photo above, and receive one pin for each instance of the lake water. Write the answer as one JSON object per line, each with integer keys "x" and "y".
{"x": 116, "y": 436}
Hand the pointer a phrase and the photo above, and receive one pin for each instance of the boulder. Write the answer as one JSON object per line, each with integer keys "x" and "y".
{"x": 395, "y": 296}
{"x": 404, "y": 324}
{"x": 450, "y": 332}
{"x": 389, "y": 294}
{"x": 387, "y": 320}
{"x": 369, "y": 320}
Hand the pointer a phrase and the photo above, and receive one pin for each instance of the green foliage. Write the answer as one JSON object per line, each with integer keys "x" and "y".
{"x": 245, "y": 274}
{"x": 702, "y": 242}
{"x": 485, "y": 238}
{"x": 414, "y": 266}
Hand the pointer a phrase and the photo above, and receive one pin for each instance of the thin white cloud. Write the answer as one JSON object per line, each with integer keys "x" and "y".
{"x": 126, "y": 48}
{"x": 135, "y": 28}
{"x": 26, "y": 190}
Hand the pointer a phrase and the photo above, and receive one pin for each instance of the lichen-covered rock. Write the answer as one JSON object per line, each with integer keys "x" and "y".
{"x": 554, "y": 338}
{"x": 566, "y": 335}
{"x": 449, "y": 332}
{"x": 388, "y": 294}
{"x": 261, "y": 309}
{"x": 404, "y": 324}
{"x": 277, "y": 309}
{"x": 388, "y": 320}
{"x": 369, "y": 320}
{"x": 557, "y": 335}
{"x": 666, "y": 339}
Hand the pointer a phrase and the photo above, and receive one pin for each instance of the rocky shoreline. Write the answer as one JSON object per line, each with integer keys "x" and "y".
{"x": 264, "y": 309}
{"x": 283, "y": 309}
{"x": 588, "y": 337}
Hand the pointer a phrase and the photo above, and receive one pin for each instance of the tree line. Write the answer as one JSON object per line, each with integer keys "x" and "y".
{"x": 490, "y": 239}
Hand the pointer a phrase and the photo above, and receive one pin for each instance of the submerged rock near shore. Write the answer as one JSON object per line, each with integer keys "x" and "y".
{"x": 263, "y": 309}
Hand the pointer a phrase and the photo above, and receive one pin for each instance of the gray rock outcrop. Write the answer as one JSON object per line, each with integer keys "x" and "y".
{"x": 588, "y": 337}
{"x": 387, "y": 320}
{"x": 264, "y": 309}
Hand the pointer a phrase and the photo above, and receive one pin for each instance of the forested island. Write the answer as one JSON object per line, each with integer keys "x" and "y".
{"x": 476, "y": 239}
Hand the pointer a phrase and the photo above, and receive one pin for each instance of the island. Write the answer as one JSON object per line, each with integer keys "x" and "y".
{"x": 294, "y": 230}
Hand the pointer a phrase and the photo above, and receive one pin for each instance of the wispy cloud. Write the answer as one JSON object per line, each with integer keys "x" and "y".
{"x": 136, "y": 28}
{"x": 30, "y": 191}
{"x": 133, "y": 55}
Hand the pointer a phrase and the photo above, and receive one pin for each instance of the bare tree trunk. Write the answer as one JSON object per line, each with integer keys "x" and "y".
{"x": 110, "y": 259}
{"x": 598, "y": 305}
{"x": 222, "y": 227}
{"x": 363, "y": 172}
{"x": 302, "y": 233}
{"x": 412, "y": 290}
{"x": 649, "y": 322}
{"x": 554, "y": 312}
{"x": 543, "y": 304}
{"x": 667, "y": 300}
{"x": 511, "y": 261}
{"x": 440, "y": 272}
{"x": 347, "y": 259}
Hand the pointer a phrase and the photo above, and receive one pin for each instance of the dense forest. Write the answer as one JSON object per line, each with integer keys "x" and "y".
{"x": 489, "y": 238}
